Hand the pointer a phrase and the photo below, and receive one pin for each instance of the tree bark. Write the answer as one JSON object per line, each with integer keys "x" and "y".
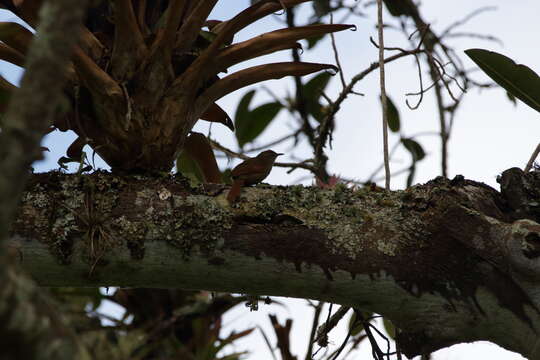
{"x": 450, "y": 261}
{"x": 31, "y": 327}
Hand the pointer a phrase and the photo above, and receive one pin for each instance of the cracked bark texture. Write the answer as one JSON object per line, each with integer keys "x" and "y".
{"x": 450, "y": 261}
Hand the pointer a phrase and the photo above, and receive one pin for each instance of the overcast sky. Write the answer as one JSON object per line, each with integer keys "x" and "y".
{"x": 490, "y": 134}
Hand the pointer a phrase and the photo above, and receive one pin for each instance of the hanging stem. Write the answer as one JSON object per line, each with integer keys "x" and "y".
{"x": 383, "y": 95}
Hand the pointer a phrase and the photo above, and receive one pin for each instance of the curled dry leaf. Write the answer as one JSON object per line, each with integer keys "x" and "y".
{"x": 198, "y": 148}
{"x": 271, "y": 42}
{"x": 257, "y": 74}
{"x": 215, "y": 113}
{"x": 75, "y": 150}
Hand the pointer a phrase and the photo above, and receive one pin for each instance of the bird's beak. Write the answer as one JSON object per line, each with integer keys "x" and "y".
{"x": 280, "y": 154}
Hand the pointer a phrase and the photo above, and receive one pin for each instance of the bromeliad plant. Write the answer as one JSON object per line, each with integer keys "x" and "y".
{"x": 145, "y": 72}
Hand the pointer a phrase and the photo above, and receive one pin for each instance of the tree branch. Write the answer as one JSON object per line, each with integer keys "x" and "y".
{"x": 33, "y": 329}
{"x": 444, "y": 261}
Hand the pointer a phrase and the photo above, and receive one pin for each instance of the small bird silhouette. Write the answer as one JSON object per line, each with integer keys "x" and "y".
{"x": 250, "y": 172}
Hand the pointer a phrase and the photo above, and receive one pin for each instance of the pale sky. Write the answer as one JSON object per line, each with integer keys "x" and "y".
{"x": 490, "y": 134}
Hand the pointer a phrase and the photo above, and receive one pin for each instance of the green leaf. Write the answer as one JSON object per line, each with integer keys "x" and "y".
{"x": 317, "y": 84}
{"x": 242, "y": 117}
{"x": 412, "y": 173}
{"x": 519, "y": 80}
{"x": 414, "y": 148}
{"x": 312, "y": 93}
{"x": 394, "y": 122}
{"x": 189, "y": 168}
{"x": 357, "y": 327}
{"x": 390, "y": 328}
{"x": 400, "y": 7}
{"x": 226, "y": 177}
{"x": 321, "y": 7}
{"x": 312, "y": 41}
{"x": 511, "y": 97}
{"x": 259, "y": 119}
{"x": 417, "y": 153}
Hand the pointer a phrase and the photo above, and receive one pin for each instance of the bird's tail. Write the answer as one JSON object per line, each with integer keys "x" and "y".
{"x": 234, "y": 192}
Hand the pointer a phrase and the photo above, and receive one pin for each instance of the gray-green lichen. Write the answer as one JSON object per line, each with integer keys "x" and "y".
{"x": 345, "y": 215}
{"x": 185, "y": 221}
{"x": 203, "y": 226}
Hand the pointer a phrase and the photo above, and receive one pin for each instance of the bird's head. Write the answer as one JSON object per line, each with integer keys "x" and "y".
{"x": 268, "y": 155}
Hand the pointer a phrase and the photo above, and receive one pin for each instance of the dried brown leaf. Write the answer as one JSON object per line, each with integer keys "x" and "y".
{"x": 75, "y": 150}
{"x": 190, "y": 29}
{"x": 215, "y": 113}
{"x": 272, "y": 41}
{"x": 254, "y": 75}
{"x": 129, "y": 46}
{"x": 199, "y": 149}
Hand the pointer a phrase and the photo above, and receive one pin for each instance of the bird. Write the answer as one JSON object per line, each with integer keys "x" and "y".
{"x": 250, "y": 172}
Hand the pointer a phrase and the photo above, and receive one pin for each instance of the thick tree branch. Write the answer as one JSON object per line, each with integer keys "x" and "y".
{"x": 447, "y": 262}
{"x": 32, "y": 329}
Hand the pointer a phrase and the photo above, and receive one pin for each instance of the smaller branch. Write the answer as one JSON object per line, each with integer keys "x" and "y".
{"x": 267, "y": 342}
{"x": 315, "y": 323}
{"x": 421, "y": 82}
{"x": 234, "y": 154}
{"x": 331, "y": 323}
{"x": 392, "y": 152}
{"x": 336, "y": 55}
{"x": 343, "y": 344}
{"x": 283, "y": 337}
{"x": 475, "y": 36}
{"x": 300, "y": 102}
{"x": 384, "y": 100}
{"x": 394, "y": 174}
{"x": 375, "y": 350}
{"x": 275, "y": 142}
{"x": 466, "y": 19}
{"x": 335, "y": 106}
{"x": 531, "y": 160}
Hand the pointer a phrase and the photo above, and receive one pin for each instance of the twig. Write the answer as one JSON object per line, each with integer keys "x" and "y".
{"x": 336, "y": 55}
{"x": 331, "y": 322}
{"x": 343, "y": 344}
{"x": 318, "y": 309}
{"x": 466, "y": 19}
{"x": 475, "y": 36}
{"x": 275, "y": 142}
{"x": 531, "y": 160}
{"x": 335, "y": 106}
{"x": 300, "y": 98}
{"x": 384, "y": 100}
{"x": 231, "y": 153}
{"x": 267, "y": 341}
{"x": 376, "y": 351}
